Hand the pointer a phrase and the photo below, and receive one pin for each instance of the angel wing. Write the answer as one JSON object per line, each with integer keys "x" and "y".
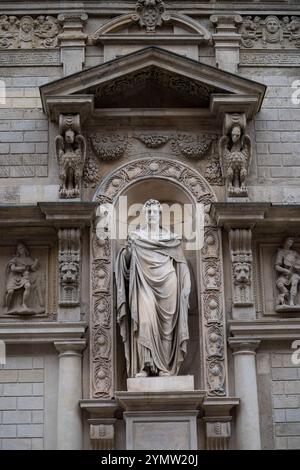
{"x": 81, "y": 142}
{"x": 247, "y": 148}
{"x": 59, "y": 147}
{"x": 223, "y": 149}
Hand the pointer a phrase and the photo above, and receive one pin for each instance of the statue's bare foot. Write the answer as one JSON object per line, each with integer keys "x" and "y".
{"x": 163, "y": 374}
{"x": 143, "y": 373}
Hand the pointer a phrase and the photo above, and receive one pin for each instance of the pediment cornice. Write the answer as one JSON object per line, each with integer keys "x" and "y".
{"x": 223, "y": 91}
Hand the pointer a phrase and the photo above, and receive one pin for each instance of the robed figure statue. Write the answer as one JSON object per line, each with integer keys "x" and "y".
{"x": 153, "y": 287}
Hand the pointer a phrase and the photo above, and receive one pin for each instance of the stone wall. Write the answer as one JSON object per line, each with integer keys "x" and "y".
{"x": 22, "y": 403}
{"x": 279, "y": 395}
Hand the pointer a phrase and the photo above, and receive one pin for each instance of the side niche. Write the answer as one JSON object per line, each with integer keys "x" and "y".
{"x": 28, "y": 281}
{"x": 278, "y": 277}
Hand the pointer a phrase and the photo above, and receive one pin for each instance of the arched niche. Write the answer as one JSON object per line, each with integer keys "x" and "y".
{"x": 169, "y": 182}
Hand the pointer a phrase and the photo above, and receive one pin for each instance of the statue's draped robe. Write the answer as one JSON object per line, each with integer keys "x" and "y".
{"x": 152, "y": 303}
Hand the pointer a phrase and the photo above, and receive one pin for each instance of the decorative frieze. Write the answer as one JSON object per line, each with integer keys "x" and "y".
{"x": 69, "y": 269}
{"x": 25, "y": 57}
{"x": 235, "y": 149}
{"x": 71, "y": 154}
{"x": 270, "y": 58}
{"x": 150, "y": 14}
{"x": 28, "y": 32}
{"x": 271, "y": 31}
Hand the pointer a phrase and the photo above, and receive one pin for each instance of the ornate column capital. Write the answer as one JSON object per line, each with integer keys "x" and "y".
{"x": 70, "y": 348}
{"x": 245, "y": 346}
{"x": 73, "y": 24}
{"x": 226, "y": 23}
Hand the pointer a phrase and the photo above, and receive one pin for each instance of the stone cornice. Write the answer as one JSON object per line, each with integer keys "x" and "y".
{"x": 68, "y": 214}
{"x": 270, "y": 330}
{"x": 260, "y": 215}
{"x": 218, "y": 408}
{"x": 57, "y": 214}
{"x": 41, "y": 332}
{"x": 192, "y": 8}
{"x": 133, "y": 401}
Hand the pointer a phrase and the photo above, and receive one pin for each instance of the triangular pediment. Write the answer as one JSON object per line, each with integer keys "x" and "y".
{"x": 153, "y": 78}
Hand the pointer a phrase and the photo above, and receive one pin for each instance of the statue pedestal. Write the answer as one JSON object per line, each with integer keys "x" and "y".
{"x": 161, "y": 413}
{"x": 161, "y": 384}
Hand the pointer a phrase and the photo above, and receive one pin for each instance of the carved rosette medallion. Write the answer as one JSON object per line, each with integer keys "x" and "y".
{"x": 212, "y": 308}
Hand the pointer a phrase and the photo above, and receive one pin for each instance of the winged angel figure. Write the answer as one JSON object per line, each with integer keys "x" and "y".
{"x": 235, "y": 151}
{"x": 71, "y": 154}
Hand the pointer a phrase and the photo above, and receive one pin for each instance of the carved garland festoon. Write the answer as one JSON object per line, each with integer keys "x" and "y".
{"x": 212, "y": 308}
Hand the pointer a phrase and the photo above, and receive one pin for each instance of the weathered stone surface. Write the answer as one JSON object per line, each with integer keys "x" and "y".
{"x": 158, "y": 384}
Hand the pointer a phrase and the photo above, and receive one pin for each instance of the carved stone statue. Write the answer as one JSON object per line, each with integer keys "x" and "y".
{"x": 153, "y": 287}
{"x": 71, "y": 154}
{"x": 235, "y": 154}
{"x": 287, "y": 266}
{"x": 23, "y": 285}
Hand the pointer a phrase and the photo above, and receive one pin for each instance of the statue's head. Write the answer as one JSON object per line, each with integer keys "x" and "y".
{"x": 26, "y": 24}
{"x": 152, "y": 211}
{"x": 288, "y": 243}
{"x": 272, "y": 25}
{"x": 69, "y": 136}
{"x": 22, "y": 250}
{"x": 236, "y": 133}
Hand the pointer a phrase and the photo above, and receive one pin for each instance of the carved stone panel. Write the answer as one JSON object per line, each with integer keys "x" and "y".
{"x": 270, "y": 32}
{"x": 27, "y": 281}
{"x": 242, "y": 271}
{"x": 28, "y": 32}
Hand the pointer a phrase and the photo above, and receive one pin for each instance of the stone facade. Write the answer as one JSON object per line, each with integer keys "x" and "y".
{"x": 190, "y": 103}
